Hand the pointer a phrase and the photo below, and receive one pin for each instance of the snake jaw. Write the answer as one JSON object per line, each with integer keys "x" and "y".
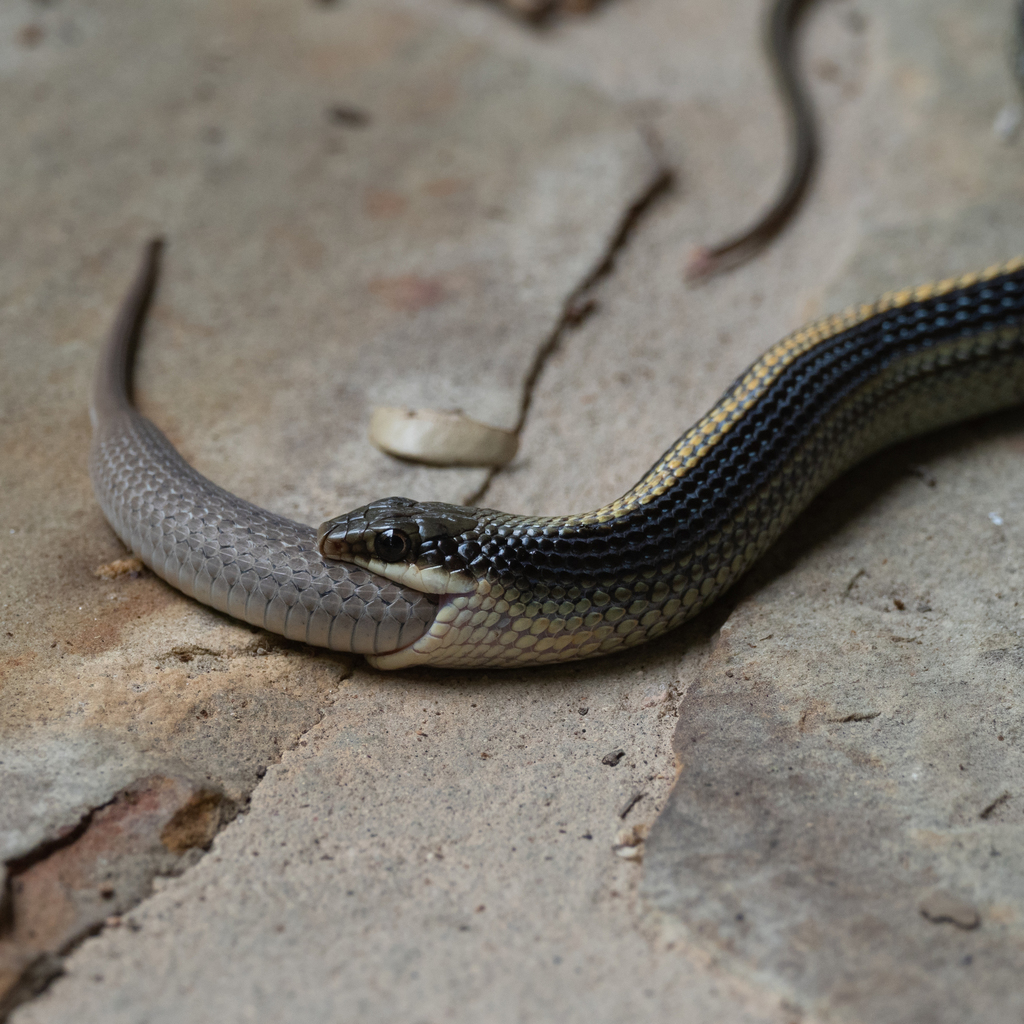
{"x": 427, "y": 579}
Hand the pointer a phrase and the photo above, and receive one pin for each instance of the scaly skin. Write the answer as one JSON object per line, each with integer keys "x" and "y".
{"x": 432, "y": 584}
{"x": 217, "y": 548}
{"x": 520, "y": 590}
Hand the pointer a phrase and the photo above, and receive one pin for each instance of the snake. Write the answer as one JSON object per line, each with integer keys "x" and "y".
{"x": 409, "y": 583}
{"x": 213, "y": 546}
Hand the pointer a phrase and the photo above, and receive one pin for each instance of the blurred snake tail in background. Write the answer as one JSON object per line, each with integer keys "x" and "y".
{"x": 409, "y": 583}
{"x": 780, "y": 47}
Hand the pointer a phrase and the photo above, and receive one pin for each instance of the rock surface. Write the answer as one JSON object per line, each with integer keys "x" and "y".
{"x": 399, "y": 203}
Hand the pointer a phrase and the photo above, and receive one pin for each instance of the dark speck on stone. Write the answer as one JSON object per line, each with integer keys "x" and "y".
{"x": 348, "y": 117}
{"x": 613, "y": 757}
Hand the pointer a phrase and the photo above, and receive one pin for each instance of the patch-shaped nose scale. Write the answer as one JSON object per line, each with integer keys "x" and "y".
{"x": 335, "y": 537}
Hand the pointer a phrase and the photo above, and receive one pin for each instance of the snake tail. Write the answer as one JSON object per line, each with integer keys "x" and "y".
{"x": 780, "y": 47}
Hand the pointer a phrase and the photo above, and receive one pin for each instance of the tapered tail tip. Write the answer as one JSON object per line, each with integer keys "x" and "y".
{"x": 701, "y": 264}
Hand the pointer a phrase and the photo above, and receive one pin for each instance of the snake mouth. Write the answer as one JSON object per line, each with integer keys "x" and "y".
{"x": 427, "y": 579}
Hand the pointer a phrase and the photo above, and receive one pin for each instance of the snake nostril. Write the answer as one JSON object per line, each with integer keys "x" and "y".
{"x": 334, "y": 547}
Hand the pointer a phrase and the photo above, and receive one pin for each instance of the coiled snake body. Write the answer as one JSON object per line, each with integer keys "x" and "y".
{"x": 410, "y": 583}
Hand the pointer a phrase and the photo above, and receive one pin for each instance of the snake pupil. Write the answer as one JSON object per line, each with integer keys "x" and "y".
{"x": 391, "y": 545}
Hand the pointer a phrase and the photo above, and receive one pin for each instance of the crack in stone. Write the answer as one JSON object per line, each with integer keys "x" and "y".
{"x": 995, "y": 805}
{"x": 68, "y": 887}
{"x": 856, "y": 716}
{"x": 580, "y": 305}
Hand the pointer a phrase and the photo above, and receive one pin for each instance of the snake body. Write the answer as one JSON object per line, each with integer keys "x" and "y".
{"x": 217, "y": 548}
{"x": 519, "y": 590}
{"x": 410, "y": 583}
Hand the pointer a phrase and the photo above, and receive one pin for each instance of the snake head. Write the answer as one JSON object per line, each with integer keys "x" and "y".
{"x": 420, "y": 544}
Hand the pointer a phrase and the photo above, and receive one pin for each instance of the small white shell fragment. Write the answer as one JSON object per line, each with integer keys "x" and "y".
{"x": 629, "y": 852}
{"x": 440, "y": 438}
{"x": 629, "y": 843}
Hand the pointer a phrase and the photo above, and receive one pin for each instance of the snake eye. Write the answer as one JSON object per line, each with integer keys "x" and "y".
{"x": 391, "y": 545}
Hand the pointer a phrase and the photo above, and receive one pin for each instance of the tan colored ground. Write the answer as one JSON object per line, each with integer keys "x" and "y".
{"x": 392, "y": 203}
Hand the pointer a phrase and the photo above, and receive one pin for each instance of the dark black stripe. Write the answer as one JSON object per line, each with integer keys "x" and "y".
{"x": 796, "y": 405}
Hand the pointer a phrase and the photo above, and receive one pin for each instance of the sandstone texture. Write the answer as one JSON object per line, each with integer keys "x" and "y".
{"x": 807, "y": 805}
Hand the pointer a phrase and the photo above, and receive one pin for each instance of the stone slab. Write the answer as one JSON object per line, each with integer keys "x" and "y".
{"x": 828, "y": 873}
{"x": 362, "y": 205}
{"x": 914, "y": 184}
{"x": 434, "y": 849}
{"x": 308, "y": 261}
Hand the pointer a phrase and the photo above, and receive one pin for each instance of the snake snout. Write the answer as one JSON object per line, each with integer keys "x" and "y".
{"x": 335, "y": 547}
